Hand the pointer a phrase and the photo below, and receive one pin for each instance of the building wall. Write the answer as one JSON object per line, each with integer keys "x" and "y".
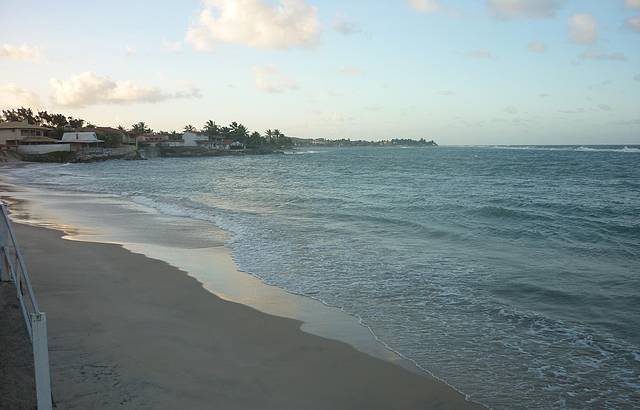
{"x": 191, "y": 140}
{"x": 43, "y": 148}
{"x": 6, "y": 134}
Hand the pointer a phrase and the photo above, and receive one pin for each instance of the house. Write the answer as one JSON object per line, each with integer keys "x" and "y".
{"x": 12, "y": 132}
{"x": 41, "y": 145}
{"x": 152, "y": 139}
{"x": 192, "y": 139}
{"x": 81, "y": 140}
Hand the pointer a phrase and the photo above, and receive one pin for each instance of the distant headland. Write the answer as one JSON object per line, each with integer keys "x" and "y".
{"x": 47, "y": 137}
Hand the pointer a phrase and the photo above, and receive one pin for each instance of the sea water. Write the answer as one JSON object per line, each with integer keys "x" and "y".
{"x": 513, "y": 273}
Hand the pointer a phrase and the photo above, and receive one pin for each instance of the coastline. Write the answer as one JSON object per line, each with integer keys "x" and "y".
{"x": 216, "y": 349}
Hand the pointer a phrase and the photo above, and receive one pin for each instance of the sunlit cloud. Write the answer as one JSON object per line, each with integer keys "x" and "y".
{"x": 511, "y": 110}
{"x": 425, "y": 6}
{"x": 583, "y": 29}
{"x": 350, "y": 71}
{"x": 12, "y": 96}
{"x": 634, "y": 23}
{"x": 632, "y": 4}
{"x": 20, "y": 53}
{"x": 90, "y": 89}
{"x": 271, "y": 80}
{"x": 481, "y": 54}
{"x": 172, "y": 46}
{"x": 255, "y": 23}
{"x": 537, "y": 47}
{"x": 602, "y": 55}
{"x": 344, "y": 26}
{"x": 517, "y": 9}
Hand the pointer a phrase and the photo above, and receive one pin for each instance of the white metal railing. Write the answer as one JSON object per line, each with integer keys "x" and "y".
{"x": 12, "y": 268}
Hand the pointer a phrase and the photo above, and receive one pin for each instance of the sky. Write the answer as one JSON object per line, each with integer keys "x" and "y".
{"x": 457, "y": 71}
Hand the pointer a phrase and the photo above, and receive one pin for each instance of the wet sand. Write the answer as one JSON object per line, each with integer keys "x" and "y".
{"x": 127, "y": 331}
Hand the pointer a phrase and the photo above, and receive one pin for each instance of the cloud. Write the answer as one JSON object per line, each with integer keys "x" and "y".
{"x": 345, "y": 27}
{"x": 511, "y": 110}
{"x": 12, "y": 96}
{"x": 604, "y": 107}
{"x": 576, "y": 111}
{"x": 90, "y": 89}
{"x": 481, "y": 54}
{"x": 447, "y": 93}
{"x": 517, "y": 9}
{"x": 20, "y": 53}
{"x": 270, "y": 80}
{"x": 632, "y": 4}
{"x": 425, "y": 6}
{"x": 583, "y": 29}
{"x": 350, "y": 71}
{"x": 544, "y": 95}
{"x": 634, "y": 23}
{"x": 255, "y": 23}
{"x": 602, "y": 56}
{"x": 537, "y": 47}
{"x": 130, "y": 51}
{"x": 172, "y": 46}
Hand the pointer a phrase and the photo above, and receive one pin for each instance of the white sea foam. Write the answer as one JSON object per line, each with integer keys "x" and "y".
{"x": 625, "y": 149}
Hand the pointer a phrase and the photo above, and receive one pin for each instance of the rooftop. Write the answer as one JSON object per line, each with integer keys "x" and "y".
{"x": 21, "y": 125}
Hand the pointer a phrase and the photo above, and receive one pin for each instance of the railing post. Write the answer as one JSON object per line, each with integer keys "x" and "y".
{"x": 4, "y": 265}
{"x": 41, "y": 360}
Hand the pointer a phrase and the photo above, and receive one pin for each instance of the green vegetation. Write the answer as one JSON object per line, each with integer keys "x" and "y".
{"x": 270, "y": 140}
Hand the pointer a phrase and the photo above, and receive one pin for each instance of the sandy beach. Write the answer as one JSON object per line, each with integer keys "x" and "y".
{"x": 126, "y": 331}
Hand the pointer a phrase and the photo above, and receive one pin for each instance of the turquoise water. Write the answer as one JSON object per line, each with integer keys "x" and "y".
{"x": 511, "y": 272}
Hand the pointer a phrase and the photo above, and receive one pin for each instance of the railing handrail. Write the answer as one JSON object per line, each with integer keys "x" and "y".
{"x": 35, "y": 320}
{"x": 23, "y": 269}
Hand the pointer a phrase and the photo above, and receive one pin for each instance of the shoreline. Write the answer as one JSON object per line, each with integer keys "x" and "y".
{"x": 436, "y": 391}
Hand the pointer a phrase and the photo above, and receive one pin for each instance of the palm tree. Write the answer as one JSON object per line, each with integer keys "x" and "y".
{"x": 140, "y": 128}
{"x": 212, "y": 130}
{"x": 190, "y": 128}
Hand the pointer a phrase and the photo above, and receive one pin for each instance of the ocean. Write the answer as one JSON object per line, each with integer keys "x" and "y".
{"x": 512, "y": 273}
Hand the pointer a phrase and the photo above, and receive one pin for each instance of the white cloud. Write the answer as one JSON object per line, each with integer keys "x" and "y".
{"x": 350, "y": 71}
{"x": 12, "y": 96}
{"x": 537, "y": 47}
{"x": 172, "y": 46}
{"x": 91, "y": 89}
{"x": 270, "y": 80}
{"x": 255, "y": 23}
{"x": 632, "y": 4}
{"x": 130, "y": 51}
{"x": 634, "y": 23}
{"x": 22, "y": 53}
{"x": 604, "y": 107}
{"x": 425, "y": 6}
{"x": 511, "y": 110}
{"x": 345, "y": 27}
{"x": 482, "y": 54}
{"x": 602, "y": 55}
{"x": 583, "y": 28}
{"x": 513, "y": 9}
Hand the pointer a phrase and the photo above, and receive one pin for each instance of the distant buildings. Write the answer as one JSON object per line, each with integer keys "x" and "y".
{"x": 192, "y": 139}
{"x": 81, "y": 140}
{"x": 13, "y": 132}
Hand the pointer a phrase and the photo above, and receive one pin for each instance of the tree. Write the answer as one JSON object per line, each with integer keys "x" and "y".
{"x": 140, "y": 128}
{"x": 255, "y": 140}
{"x": 239, "y": 132}
{"x": 190, "y": 128}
